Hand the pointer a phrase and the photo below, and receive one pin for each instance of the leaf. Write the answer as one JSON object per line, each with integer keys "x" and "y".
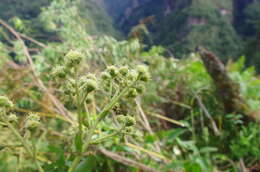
{"x": 208, "y": 150}
{"x": 173, "y": 134}
{"x": 192, "y": 167}
{"x": 59, "y": 164}
{"x": 87, "y": 165}
{"x": 78, "y": 142}
{"x": 151, "y": 138}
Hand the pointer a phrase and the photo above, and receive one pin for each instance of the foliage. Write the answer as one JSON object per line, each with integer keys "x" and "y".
{"x": 25, "y": 9}
{"x": 181, "y": 25}
{"x": 199, "y": 24}
{"x": 252, "y": 13}
{"x": 172, "y": 131}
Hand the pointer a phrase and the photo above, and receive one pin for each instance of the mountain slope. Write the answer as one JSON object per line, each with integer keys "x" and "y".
{"x": 200, "y": 23}
{"x": 181, "y": 25}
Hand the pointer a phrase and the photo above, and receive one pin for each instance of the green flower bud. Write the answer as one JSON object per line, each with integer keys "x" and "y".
{"x": 70, "y": 87}
{"x": 71, "y": 83}
{"x": 132, "y": 93}
{"x": 123, "y": 70}
{"x": 83, "y": 79}
{"x": 59, "y": 71}
{"x": 126, "y": 120}
{"x": 129, "y": 130}
{"x": 73, "y": 58}
{"x": 143, "y": 73}
{"x": 89, "y": 99}
{"x": 5, "y": 102}
{"x": 105, "y": 76}
{"x": 32, "y": 121}
{"x": 90, "y": 85}
{"x": 132, "y": 75}
{"x": 140, "y": 89}
{"x": 91, "y": 76}
{"x": 145, "y": 77}
{"x": 112, "y": 70}
{"x": 121, "y": 119}
{"x": 12, "y": 118}
{"x": 129, "y": 121}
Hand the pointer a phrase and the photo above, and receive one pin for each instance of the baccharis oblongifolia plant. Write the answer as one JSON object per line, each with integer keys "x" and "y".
{"x": 10, "y": 120}
{"x": 119, "y": 82}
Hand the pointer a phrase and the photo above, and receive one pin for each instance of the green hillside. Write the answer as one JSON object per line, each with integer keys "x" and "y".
{"x": 26, "y": 16}
{"x": 225, "y": 27}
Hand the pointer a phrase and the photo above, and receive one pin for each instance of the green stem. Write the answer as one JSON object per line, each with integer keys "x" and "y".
{"x": 74, "y": 163}
{"x": 101, "y": 116}
{"x": 2, "y": 123}
{"x": 85, "y": 147}
{"x": 99, "y": 140}
{"x": 83, "y": 100}
{"x": 79, "y": 109}
{"x": 114, "y": 100}
{"x": 35, "y": 158}
{"x": 24, "y": 143}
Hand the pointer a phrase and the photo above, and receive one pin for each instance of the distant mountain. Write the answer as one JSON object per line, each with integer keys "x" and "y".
{"x": 120, "y": 10}
{"x": 25, "y": 9}
{"x": 226, "y": 27}
{"x": 181, "y": 25}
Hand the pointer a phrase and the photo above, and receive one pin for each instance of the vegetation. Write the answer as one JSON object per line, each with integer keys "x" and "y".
{"x": 252, "y": 23}
{"x": 87, "y": 102}
{"x": 218, "y": 34}
{"x": 224, "y": 27}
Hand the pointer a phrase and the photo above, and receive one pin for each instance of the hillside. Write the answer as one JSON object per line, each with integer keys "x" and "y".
{"x": 26, "y": 16}
{"x": 181, "y": 25}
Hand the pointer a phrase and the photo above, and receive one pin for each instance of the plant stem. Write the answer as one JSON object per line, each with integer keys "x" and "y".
{"x": 106, "y": 137}
{"x": 74, "y": 164}
{"x": 85, "y": 147}
{"x": 23, "y": 141}
{"x": 114, "y": 100}
{"x": 79, "y": 109}
{"x": 101, "y": 116}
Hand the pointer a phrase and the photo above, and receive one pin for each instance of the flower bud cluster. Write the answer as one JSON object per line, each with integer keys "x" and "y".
{"x": 83, "y": 85}
{"x": 127, "y": 121}
{"x": 132, "y": 93}
{"x": 69, "y": 88}
{"x": 89, "y": 99}
{"x": 72, "y": 60}
{"x": 32, "y": 121}
{"x": 88, "y": 83}
{"x": 12, "y": 118}
{"x": 112, "y": 71}
{"x": 129, "y": 130}
{"x": 59, "y": 72}
{"x": 5, "y": 102}
{"x": 140, "y": 89}
{"x": 143, "y": 73}
{"x": 124, "y": 70}
{"x": 71, "y": 131}
{"x": 124, "y": 76}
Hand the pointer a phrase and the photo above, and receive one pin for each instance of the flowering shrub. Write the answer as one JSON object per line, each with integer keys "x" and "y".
{"x": 120, "y": 81}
